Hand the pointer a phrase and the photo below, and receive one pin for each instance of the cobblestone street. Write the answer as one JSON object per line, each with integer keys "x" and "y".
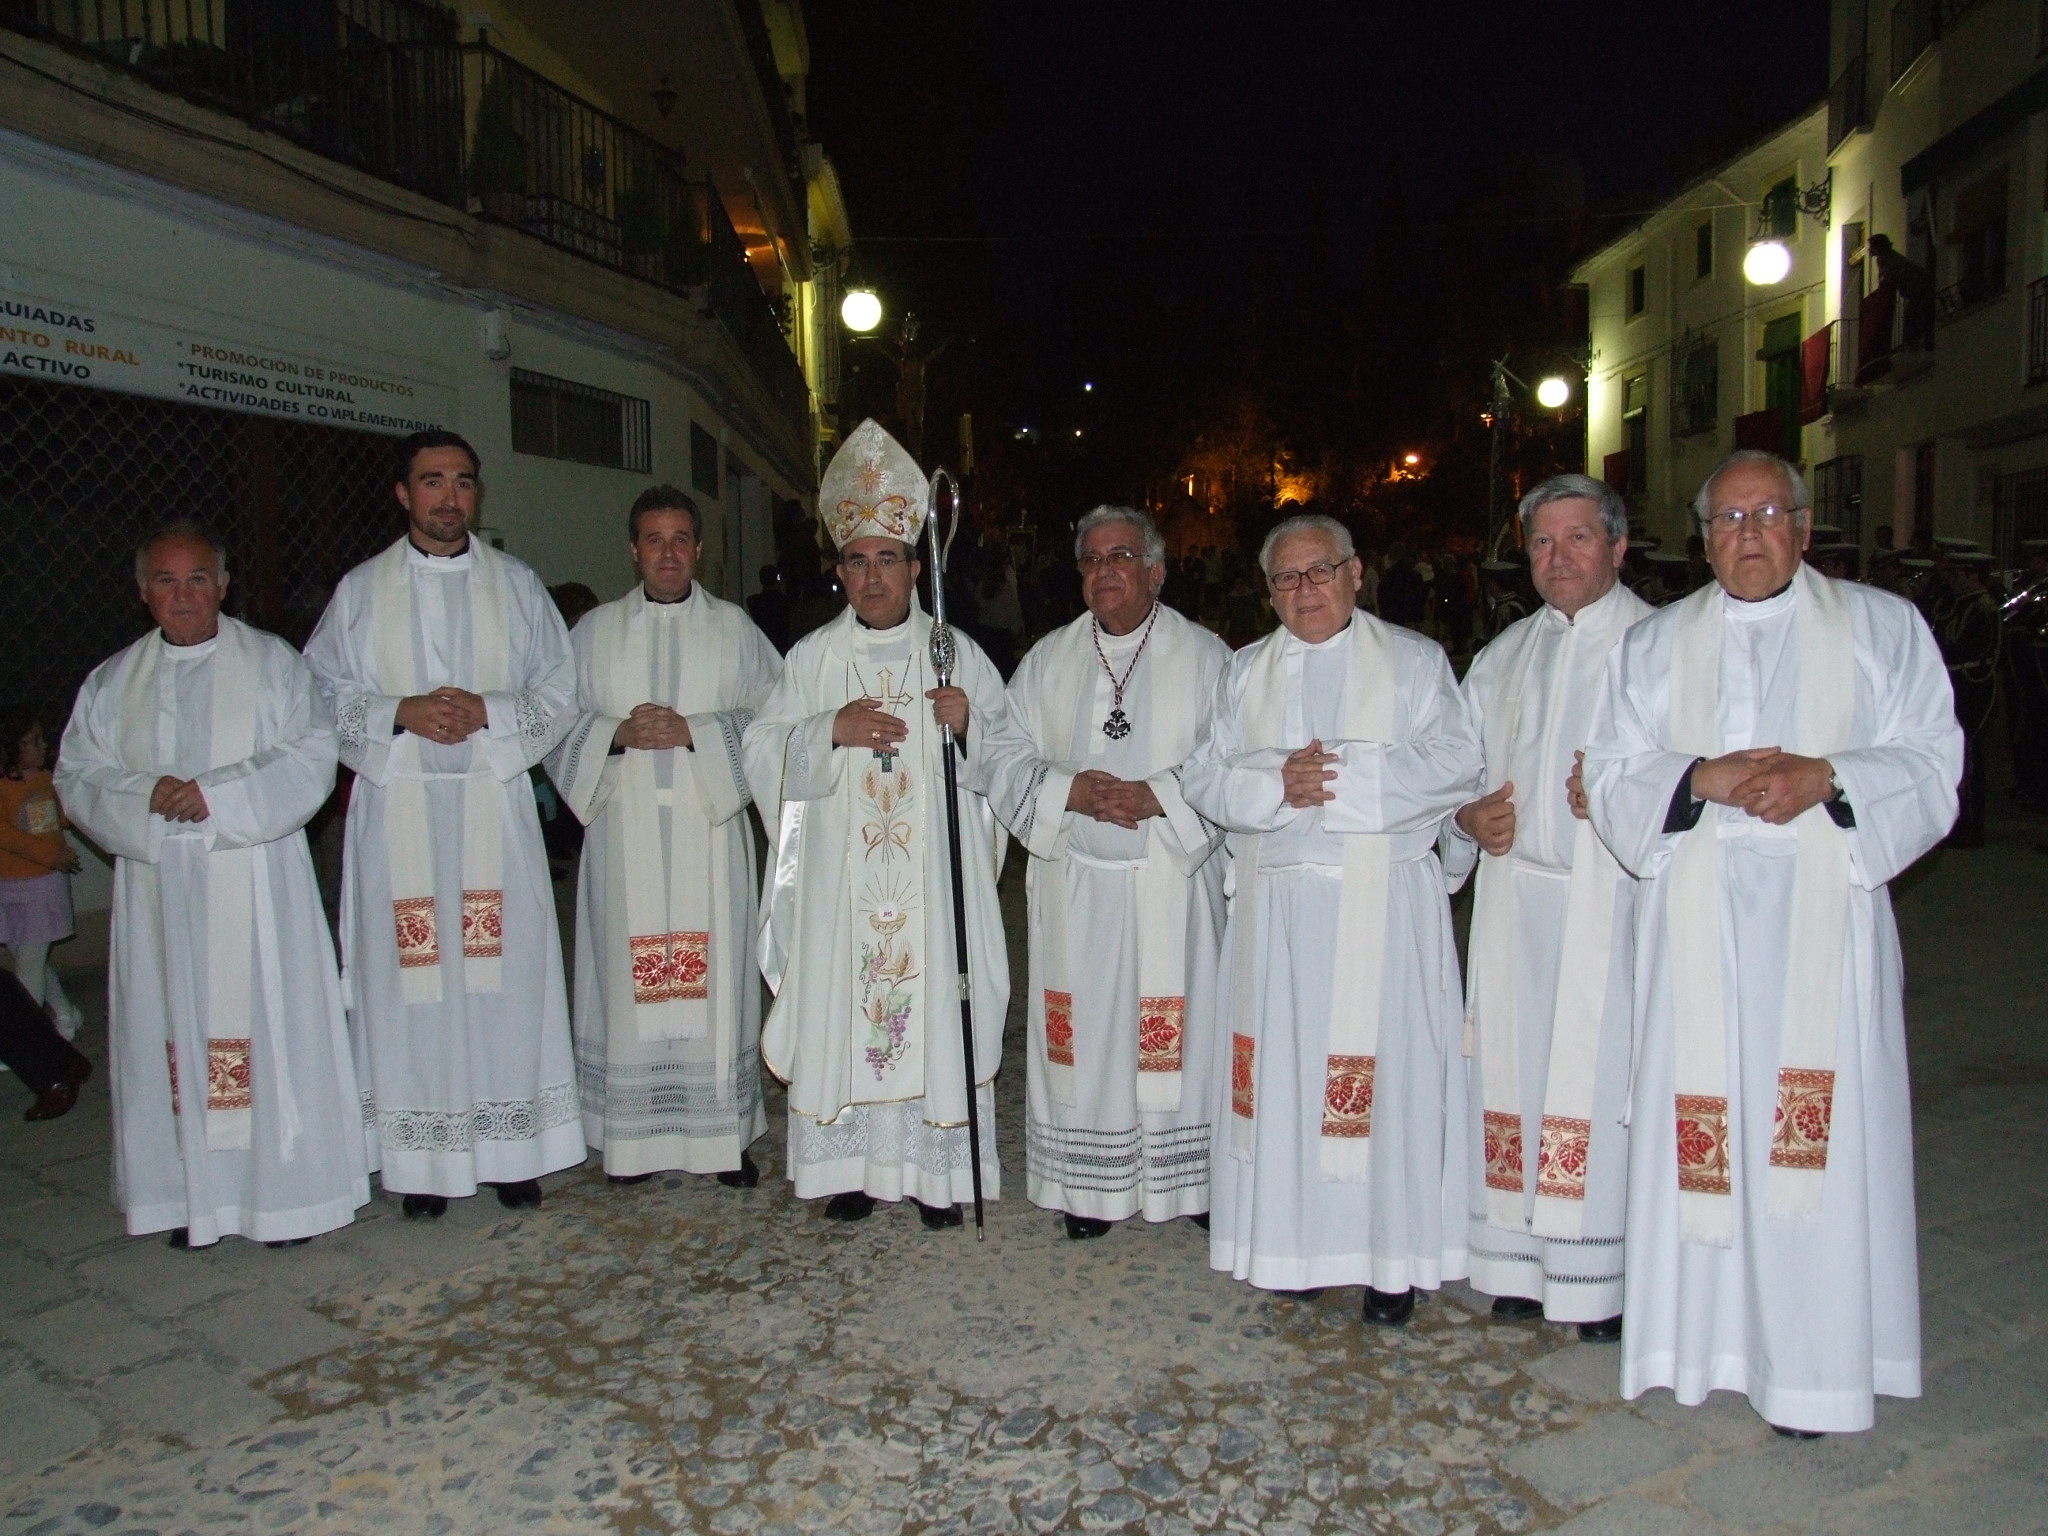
{"x": 678, "y": 1356}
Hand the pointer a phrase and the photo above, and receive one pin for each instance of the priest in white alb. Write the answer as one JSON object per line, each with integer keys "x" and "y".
{"x": 1333, "y": 750}
{"x": 196, "y": 757}
{"x": 857, "y": 932}
{"x": 1767, "y": 755}
{"x": 450, "y": 675}
{"x": 1548, "y": 979}
{"x": 1125, "y": 889}
{"x": 668, "y": 997}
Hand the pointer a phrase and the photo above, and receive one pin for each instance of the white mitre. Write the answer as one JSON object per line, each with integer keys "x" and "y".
{"x": 873, "y": 489}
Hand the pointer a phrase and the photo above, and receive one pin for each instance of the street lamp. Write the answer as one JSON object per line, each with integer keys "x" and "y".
{"x": 1767, "y": 263}
{"x": 1552, "y": 393}
{"x": 861, "y": 310}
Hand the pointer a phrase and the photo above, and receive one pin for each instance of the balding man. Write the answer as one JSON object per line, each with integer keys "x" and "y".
{"x": 1334, "y": 749}
{"x": 1126, "y": 890}
{"x": 196, "y": 756}
{"x": 1767, "y": 754}
{"x": 1547, "y": 978}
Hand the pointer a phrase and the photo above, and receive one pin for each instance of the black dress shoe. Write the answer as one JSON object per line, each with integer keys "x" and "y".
{"x": 1081, "y": 1228}
{"x": 426, "y": 1205}
{"x": 1606, "y": 1331}
{"x": 289, "y": 1242}
{"x": 181, "y": 1237}
{"x": 746, "y": 1176}
{"x": 1516, "y": 1309}
{"x": 1796, "y": 1434}
{"x": 1201, "y": 1219}
{"x": 611, "y": 1178}
{"x": 1308, "y": 1295}
{"x": 854, "y": 1205}
{"x": 938, "y": 1217}
{"x": 53, "y": 1102}
{"x": 520, "y": 1193}
{"x": 1390, "y": 1309}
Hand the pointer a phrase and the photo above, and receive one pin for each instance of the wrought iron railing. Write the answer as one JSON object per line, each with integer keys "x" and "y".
{"x": 2037, "y": 331}
{"x": 1971, "y": 289}
{"x": 749, "y": 316}
{"x": 1838, "y": 495}
{"x": 1848, "y": 100}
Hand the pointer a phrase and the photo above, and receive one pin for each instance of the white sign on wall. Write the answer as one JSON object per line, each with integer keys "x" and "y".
{"x": 66, "y": 343}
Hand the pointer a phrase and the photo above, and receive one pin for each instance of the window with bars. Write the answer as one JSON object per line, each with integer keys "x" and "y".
{"x": 1695, "y": 386}
{"x": 560, "y": 419}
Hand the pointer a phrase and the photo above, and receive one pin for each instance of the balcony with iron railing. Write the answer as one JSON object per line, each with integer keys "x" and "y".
{"x": 387, "y": 87}
{"x": 1972, "y": 288}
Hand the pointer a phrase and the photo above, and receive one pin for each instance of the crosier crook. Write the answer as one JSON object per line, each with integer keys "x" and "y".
{"x": 944, "y": 654}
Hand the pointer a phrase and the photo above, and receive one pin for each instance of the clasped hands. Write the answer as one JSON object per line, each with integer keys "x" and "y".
{"x": 446, "y": 715}
{"x": 652, "y": 728}
{"x": 864, "y": 723}
{"x": 178, "y": 800}
{"x": 1105, "y": 797}
{"x": 1769, "y": 784}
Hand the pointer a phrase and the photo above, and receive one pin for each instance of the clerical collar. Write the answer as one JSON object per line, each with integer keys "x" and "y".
{"x": 194, "y": 652}
{"x": 1762, "y": 607}
{"x": 1132, "y": 637}
{"x": 459, "y": 561}
{"x": 668, "y": 602}
{"x": 872, "y": 633}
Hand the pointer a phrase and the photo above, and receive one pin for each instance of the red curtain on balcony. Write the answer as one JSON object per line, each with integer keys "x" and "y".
{"x": 1874, "y": 332}
{"x": 1761, "y": 429}
{"x": 1614, "y": 470}
{"x": 1813, "y": 375}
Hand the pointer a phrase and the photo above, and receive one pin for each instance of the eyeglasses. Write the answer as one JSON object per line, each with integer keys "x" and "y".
{"x": 1317, "y": 575}
{"x": 1733, "y": 520}
{"x": 885, "y": 562}
{"x": 1119, "y": 557}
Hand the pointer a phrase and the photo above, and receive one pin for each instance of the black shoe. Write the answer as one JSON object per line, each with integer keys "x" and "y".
{"x": 938, "y": 1217}
{"x": 181, "y": 1237}
{"x": 1308, "y": 1295}
{"x": 1516, "y": 1309}
{"x": 746, "y": 1176}
{"x": 854, "y": 1205}
{"x": 1606, "y": 1331}
{"x": 1796, "y": 1434}
{"x": 426, "y": 1205}
{"x": 1390, "y": 1309}
{"x": 289, "y": 1242}
{"x": 521, "y": 1193}
{"x": 1081, "y": 1228}
{"x": 610, "y": 1178}
{"x": 1201, "y": 1219}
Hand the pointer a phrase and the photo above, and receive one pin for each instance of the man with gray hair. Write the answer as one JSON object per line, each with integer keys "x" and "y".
{"x": 196, "y": 756}
{"x": 1548, "y": 974}
{"x": 1125, "y": 879}
{"x": 1765, "y": 757}
{"x": 1331, "y": 753}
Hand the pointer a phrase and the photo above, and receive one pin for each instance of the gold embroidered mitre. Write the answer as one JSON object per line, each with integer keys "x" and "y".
{"x": 873, "y": 489}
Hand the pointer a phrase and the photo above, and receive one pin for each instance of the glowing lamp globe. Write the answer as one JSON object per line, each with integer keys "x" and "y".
{"x": 1552, "y": 393}
{"x": 861, "y": 310}
{"x": 1767, "y": 263}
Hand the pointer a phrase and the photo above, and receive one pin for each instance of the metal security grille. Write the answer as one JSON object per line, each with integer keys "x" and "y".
{"x": 560, "y": 419}
{"x": 85, "y": 473}
{"x": 2019, "y": 514}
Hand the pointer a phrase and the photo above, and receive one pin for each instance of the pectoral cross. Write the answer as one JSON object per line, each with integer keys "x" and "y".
{"x": 894, "y": 703}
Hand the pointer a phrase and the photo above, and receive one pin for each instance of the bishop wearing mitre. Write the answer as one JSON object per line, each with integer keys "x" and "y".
{"x": 196, "y": 757}
{"x": 667, "y": 1009}
{"x": 857, "y": 938}
{"x": 1125, "y": 887}
{"x": 1332, "y": 751}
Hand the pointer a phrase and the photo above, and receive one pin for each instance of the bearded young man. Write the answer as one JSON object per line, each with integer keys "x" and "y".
{"x": 1766, "y": 756}
{"x": 1333, "y": 750}
{"x": 196, "y": 757}
{"x": 668, "y": 1011}
{"x": 1548, "y": 980}
{"x": 844, "y": 762}
{"x": 1125, "y": 890}
{"x": 450, "y": 675}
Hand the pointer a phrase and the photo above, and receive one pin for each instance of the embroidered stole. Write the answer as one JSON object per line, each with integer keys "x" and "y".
{"x": 1174, "y": 692}
{"x": 1358, "y": 966}
{"x": 1817, "y": 942}
{"x": 234, "y": 916}
{"x": 1577, "y": 1013}
{"x": 889, "y": 815}
{"x": 408, "y": 835}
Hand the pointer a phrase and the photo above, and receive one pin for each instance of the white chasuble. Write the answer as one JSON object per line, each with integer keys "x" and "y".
{"x": 856, "y": 936}
{"x": 234, "y": 1092}
{"x": 1117, "y": 1083}
{"x": 667, "y": 1010}
{"x": 1548, "y": 978}
{"x": 1767, "y": 1257}
{"x": 1339, "y": 1147}
{"x": 451, "y": 954}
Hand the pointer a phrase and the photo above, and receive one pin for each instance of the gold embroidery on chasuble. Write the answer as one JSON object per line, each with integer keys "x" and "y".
{"x": 1243, "y": 1097}
{"x": 889, "y": 908}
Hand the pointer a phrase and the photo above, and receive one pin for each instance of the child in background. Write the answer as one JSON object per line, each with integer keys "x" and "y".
{"x": 36, "y": 864}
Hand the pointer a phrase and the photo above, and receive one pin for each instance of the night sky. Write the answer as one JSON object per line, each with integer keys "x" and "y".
{"x": 1012, "y": 168}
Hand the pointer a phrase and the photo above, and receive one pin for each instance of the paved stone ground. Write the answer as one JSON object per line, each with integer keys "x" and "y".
{"x": 682, "y": 1357}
